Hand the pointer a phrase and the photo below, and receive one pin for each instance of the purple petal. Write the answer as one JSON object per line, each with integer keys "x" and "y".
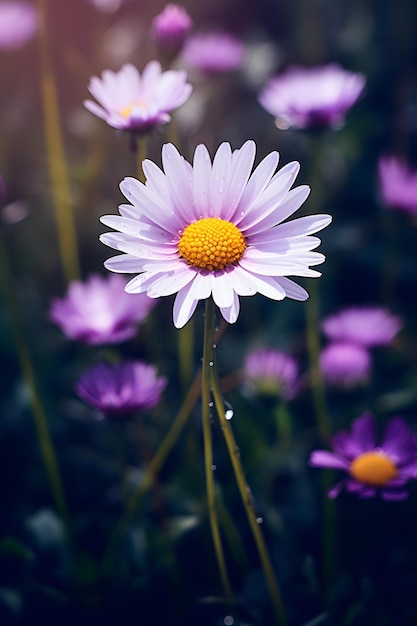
{"x": 324, "y": 458}
{"x": 394, "y": 496}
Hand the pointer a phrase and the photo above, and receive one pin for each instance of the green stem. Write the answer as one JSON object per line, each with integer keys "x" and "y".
{"x": 151, "y": 472}
{"x": 246, "y": 496}
{"x": 207, "y": 366}
{"x": 41, "y": 424}
{"x": 56, "y": 159}
{"x": 283, "y": 423}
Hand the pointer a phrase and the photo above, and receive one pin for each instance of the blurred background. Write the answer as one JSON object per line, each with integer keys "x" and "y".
{"x": 164, "y": 569}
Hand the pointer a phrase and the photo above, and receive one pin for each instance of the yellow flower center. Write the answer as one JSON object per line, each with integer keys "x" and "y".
{"x": 127, "y": 111}
{"x": 373, "y": 468}
{"x": 211, "y": 244}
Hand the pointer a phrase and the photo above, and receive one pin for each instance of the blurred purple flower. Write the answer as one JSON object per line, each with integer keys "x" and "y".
{"x": 345, "y": 364}
{"x": 398, "y": 184}
{"x": 170, "y": 28}
{"x": 18, "y": 24}
{"x": 365, "y": 326}
{"x": 99, "y": 311}
{"x": 213, "y": 52}
{"x": 372, "y": 468}
{"x": 135, "y": 102}
{"x": 122, "y": 388}
{"x": 271, "y": 372}
{"x": 311, "y": 97}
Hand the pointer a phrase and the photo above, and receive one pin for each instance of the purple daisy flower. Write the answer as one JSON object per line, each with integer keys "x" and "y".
{"x": 345, "y": 364}
{"x": 307, "y": 97}
{"x": 18, "y": 24}
{"x": 271, "y": 372}
{"x": 121, "y": 389}
{"x": 398, "y": 184}
{"x": 170, "y": 28}
{"x": 99, "y": 311}
{"x": 365, "y": 326}
{"x": 214, "y": 52}
{"x": 372, "y": 468}
{"x": 138, "y": 102}
{"x": 214, "y": 229}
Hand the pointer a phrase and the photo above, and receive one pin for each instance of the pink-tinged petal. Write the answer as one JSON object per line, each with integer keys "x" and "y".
{"x": 151, "y": 205}
{"x": 114, "y": 239}
{"x": 231, "y": 313}
{"x": 292, "y": 290}
{"x": 299, "y": 227}
{"x": 178, "y": 182}
{"x": 267, "y": 286}
{"x": 184, "y": 306}
{"x": 242, "y": 163}
{"x": 257, "y": 183}
{"x": 367, "y": 493}
{"x": 201, "y": 180}
{"x": 394, "y": 496}
{"x": 266, "y": 203}
{"x": 408, "y": 470}
{"x": 280, "y": 267}
{"x": 223, "y": 292}
{"x": 324, "y": 458}
{"x": 141, "y": 283}
{"x": 220, "y": 174}
{"x": 202, "y": 285}
{"x": 243, "y": 283}
{"x": 96, "y": 109}
{"x": 294, "y": 199}
{"x": 171, "y": 282}
{"x": 124, "y": 263}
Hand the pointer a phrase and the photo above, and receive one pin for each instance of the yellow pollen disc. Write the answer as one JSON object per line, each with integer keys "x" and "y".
{"x": 211, "y": 244}
{"x": 127, "y": 111}
{"x": 373, "y": 468}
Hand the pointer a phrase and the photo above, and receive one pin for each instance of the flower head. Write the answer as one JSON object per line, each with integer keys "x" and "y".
{"x": 345, "y": 364}
{"x": 99, "y": 311}
{"x": 18, "y": 24}
{"x": 213, "y": 52}
{"x": 311, "y": 97}
{"x": 372, "y": 468}
{"x": 121, "y": 389}
{"x": 364, "y": 326}
{"x": 398, "y": 184}
{"x": 272, "y": 373}
{"x": 170, "y": 28}
{"x": 138, "y": 102}
{"x": 214, "y": 229}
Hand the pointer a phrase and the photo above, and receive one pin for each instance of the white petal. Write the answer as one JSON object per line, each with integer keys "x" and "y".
{"x": 170, "y": 283}
{"x": 257, "y": 183}
{"x": 201, "y": 180}
{"x": 241, "y": 167}
{"x": 287, "y": 207}
{"x": 223, "y": 292}
{"x": 184, "y": 306}
{"x": 231, "y": 313}
{"x": 293, "y": 291}
{"x": 124, "y": 263}
{"x": 219, "y": 179}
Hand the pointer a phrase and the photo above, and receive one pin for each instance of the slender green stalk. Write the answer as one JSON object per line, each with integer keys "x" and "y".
{"x": 152, "y": 471}
{"x": 56, "y": 158}
{"x": 246, "y": 497}
{"x": 41, "y": 424}
{"x": 207, "y": 365}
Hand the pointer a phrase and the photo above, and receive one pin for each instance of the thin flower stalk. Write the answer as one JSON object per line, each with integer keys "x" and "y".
{"x": 151, "y": 472}
{"x": 207, "y": 365}
{"x": 246, "y": 497}
{"x": 39, "y": 416}
{"x": 56, "y": 159}
{"x": 139, "y": 144}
